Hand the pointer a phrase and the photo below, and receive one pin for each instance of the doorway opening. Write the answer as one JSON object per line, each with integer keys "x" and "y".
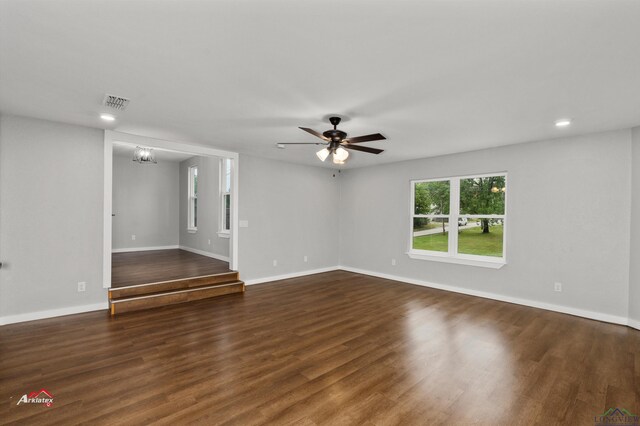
{"x": 170, "y": 211}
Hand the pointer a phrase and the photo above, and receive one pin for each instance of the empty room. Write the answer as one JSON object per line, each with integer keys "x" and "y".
{"x": 320, "y": 213}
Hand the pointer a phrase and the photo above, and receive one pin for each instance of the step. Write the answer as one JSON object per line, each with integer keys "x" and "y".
{"x": 179, "y": 284}
{"x": 171, "y": 297}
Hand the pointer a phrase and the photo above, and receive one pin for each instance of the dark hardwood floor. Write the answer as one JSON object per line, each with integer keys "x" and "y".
{"x": 336, "y": 348}
{"x": 142, "y": 267}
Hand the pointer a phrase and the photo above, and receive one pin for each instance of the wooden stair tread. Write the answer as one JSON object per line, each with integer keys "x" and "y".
{"x": 170, "y": 297}
{"x": 172, "y": 285}
{"x": 153, "y": 295}
{"x": 186, "y": 290}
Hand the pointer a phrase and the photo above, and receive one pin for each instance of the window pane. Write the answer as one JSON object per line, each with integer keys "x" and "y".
{"x": 482, "y": 195}
{"x": 195, "y": 212}
{"x": 227, "y": 175}
{"x": 192, "y": 215}
{"x": 432, "y": 197}
{"x": 430, "y": 234}
{"x": 227, "y": 211}
{"x": 481, "y": 237}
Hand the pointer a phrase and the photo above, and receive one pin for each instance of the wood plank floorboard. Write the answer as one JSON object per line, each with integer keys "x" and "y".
{"x": 336, "y": 348}
{"x": 142, "y": 267}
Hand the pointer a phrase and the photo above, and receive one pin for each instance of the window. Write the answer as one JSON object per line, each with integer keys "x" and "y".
{"x": 192, "y": 213}
{"x": 459, "y": 219}
{"x": 225, "y": 196}
{"x": 431, "y": 215}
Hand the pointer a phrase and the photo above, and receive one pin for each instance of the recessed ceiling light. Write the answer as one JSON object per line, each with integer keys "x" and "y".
{"x": 564, "y": 122}
{"x": 280, "y": 145}
{"x": 107, "y": 117}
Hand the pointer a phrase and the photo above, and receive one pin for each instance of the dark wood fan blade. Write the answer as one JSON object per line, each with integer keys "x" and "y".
{"x": 362, "y": 148}
{"x": 314, "y": 133}
{"x": 366, "y": 138}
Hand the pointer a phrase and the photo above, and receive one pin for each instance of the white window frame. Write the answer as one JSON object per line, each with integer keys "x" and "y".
{"x": 225, "y": 191}
{"x": 192, "y": 197}
{"x": 452, "y": 256}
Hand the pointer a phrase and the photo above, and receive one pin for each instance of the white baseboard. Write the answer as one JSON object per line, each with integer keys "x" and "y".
{"x": 534, "y": 304}
{"x": 126, "y": 250}
{"x": 290, "y": 275}
{"x": 204, "y": 253}
{"x": 634, "y": 324}
{"x": 51, "y": 313}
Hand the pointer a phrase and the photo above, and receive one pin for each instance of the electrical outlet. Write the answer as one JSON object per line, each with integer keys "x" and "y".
{"x": 82, "y": 286}
{"x": 275, "y": 262}
{"x": 243, "y": 223}
{"x": 209, "y": 242}
{"x": 306, "y": 259}
{"x": 133, "y": 237}
{"x": 393, "y": 262}
{"x": 557, "y": 287}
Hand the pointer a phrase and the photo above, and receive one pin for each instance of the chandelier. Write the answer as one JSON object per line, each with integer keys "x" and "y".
{"x": 144, "y": 155}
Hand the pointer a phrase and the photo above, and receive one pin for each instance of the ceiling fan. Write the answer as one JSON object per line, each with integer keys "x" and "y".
{"x": 336, "y": 141}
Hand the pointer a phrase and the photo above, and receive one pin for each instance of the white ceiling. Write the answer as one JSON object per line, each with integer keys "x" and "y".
{"x": 435, "y": 77}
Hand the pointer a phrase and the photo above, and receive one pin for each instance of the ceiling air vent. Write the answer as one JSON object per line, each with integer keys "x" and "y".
{"x": 116, "y": 102}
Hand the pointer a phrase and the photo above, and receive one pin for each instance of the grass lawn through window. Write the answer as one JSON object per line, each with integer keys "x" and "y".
{"x": 470, "y": 241}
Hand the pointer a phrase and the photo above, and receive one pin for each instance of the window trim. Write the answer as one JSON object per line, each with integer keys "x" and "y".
{"x": 452, "y": 255}
{"x": 191, "y": 197}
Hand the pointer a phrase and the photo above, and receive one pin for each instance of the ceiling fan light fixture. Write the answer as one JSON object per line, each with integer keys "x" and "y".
{"x": 334, "y": 142}
{"x": 323, "y": 154}
{"x": 340, "y": 154}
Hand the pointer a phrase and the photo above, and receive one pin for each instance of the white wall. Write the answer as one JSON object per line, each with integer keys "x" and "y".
{"x": 206, "y": 237}
{"x": 51, "y": 180}
{"x": 292, "y": 211}
{"x": 634, "y": 271}
{"x": 568, "y": 221}
{"x": 570, "y": 210}
{"x": 145, "y": 203}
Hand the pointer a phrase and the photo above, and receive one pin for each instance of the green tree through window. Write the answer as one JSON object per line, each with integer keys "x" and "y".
{"x": 482, "y": 196}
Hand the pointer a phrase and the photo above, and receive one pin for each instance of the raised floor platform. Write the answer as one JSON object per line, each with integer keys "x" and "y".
{"x": 151, "y": 279}
{"x": 142, "y": 267}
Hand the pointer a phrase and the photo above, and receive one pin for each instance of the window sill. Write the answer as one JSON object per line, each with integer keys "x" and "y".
{"x": 192, "y": 230}
{"x": 445, "y": 258}
{"x": 223, "y": 234}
